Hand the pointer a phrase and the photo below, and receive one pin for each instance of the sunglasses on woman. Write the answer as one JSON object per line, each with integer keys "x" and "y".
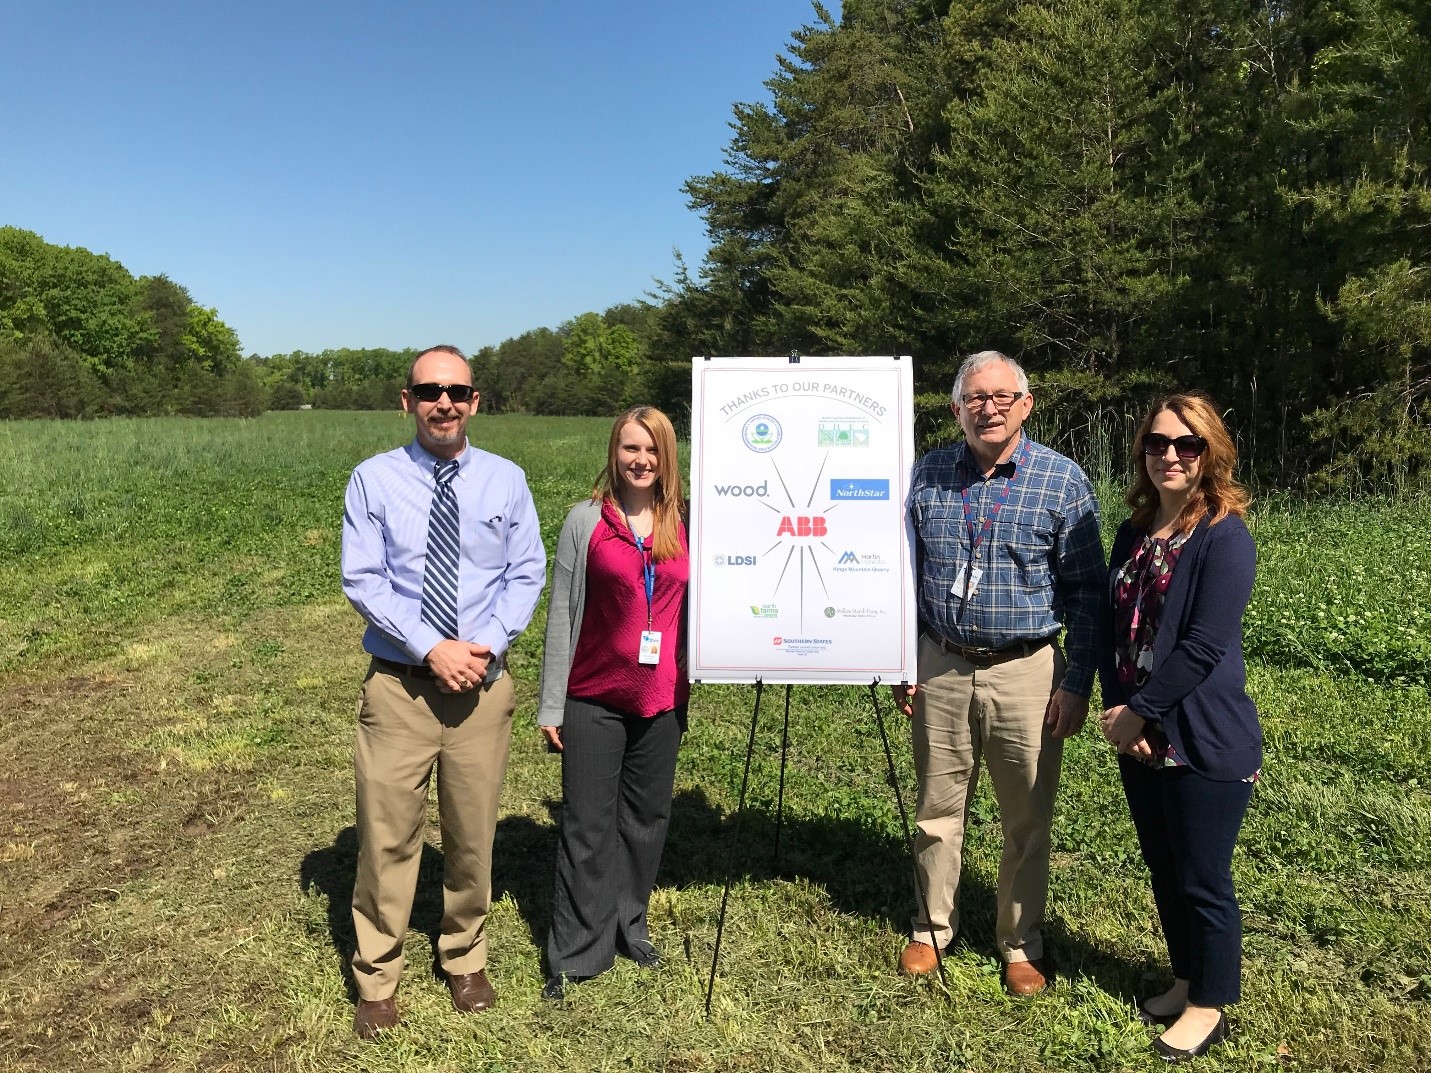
{"x": 1187, "y": 447}
{"x": 458, "y": 393}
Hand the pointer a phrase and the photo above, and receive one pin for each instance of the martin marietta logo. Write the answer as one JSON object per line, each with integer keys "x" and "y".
{"x": 842, "y": 432}
{"x": 843, "y": 488}
{"x": 865, "y": 562}
{"x": 761, "y": 433}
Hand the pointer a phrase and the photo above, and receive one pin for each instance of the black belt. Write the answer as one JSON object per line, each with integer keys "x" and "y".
{"x": 407, "y": 670}
{"x": 987, "y": 657}
{"x": 422, "y": 670}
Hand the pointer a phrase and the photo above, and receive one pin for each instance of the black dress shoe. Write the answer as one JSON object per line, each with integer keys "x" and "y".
{"x": 554, "y": 990}
{"x": 644, "y": 954}
{"x": 1148, "y": 1017}
{"x": 1177, "y": 1054}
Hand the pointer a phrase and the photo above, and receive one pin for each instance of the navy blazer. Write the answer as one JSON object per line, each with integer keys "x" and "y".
{"x": 1197, "y": 688}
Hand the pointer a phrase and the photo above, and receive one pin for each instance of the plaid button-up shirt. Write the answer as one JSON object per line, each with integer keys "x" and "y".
{"x": 1041, "y": 557}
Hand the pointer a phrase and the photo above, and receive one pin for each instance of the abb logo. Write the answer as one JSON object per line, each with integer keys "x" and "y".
{"x": 801, "y": 526}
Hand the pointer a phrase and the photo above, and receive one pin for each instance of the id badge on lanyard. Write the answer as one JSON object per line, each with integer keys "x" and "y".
{"x": 966, "y": 582}
{"x": 648, "y": 653}
{"x": 968, "y": 576}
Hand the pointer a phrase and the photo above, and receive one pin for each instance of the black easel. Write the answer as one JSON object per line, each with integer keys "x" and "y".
{"x": 893, "y": 778}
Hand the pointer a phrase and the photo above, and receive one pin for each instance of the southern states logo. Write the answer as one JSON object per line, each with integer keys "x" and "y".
{"x": 761, "y": 433}
{"x": 847, "y": 488}
{"x": 803, "y": 646}
{"x": 842, "y": 432}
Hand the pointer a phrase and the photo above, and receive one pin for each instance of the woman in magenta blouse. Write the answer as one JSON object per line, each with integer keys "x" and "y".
{"x": 1175, "y": 686}
{"x": 613, "y": 698}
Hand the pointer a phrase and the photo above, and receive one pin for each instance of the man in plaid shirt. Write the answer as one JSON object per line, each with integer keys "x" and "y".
{"x": 1008, "y": 554}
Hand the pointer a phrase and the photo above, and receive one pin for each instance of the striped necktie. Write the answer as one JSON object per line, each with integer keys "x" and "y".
{"x": 439, "y": 577}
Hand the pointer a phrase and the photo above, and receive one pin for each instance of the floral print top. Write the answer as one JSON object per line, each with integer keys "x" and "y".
{"x": 1138, "y": 596}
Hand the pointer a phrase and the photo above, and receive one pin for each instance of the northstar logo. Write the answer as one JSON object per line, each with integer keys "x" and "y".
{"x": 842, "y": 488}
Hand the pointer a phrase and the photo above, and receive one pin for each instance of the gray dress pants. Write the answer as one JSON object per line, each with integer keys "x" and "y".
{"x": 618, "y": 774}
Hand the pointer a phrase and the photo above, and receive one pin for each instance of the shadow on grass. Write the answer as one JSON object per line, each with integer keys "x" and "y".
{"x": 864, "y": 871}
{"x": 332, "y": 871}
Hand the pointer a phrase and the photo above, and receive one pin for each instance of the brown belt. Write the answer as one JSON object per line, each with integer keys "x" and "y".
{"x": 987, "y": 657}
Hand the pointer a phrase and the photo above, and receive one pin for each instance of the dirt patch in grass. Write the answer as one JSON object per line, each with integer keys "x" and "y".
{"x": 83, "y": 811}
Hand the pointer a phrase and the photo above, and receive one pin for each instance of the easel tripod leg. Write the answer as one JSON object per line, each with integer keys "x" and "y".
{"x": 734, "y": 845}
{"x": 908, "y": 832}
{"x": 784, "y": 753}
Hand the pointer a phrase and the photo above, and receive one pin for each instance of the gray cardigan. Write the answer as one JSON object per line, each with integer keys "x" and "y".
{"x": 565, "y": 608}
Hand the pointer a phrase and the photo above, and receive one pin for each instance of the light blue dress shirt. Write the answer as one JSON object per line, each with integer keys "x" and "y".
{"x": 501, "y": 569}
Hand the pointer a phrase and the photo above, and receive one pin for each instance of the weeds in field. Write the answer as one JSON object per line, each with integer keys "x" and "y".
{"x": 177, "y": 675}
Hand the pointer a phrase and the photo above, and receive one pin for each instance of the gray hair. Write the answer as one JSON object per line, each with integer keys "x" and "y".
{"x": 982, "y": 360}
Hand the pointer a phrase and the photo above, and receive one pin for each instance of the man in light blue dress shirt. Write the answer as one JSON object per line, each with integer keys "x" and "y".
{"x": 433, "y": 696}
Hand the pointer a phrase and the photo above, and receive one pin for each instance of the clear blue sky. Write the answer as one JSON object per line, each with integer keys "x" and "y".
{"x": 372, "y": 173}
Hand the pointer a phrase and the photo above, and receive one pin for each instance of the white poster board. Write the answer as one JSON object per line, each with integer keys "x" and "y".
{"x": 800, "y": 565}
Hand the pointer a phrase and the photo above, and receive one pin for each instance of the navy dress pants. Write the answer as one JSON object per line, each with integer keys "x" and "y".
{"x": 1187, "y": 826}
{"x": 617, "y": 775}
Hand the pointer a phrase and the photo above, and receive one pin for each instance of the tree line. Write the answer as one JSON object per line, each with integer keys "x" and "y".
{"x": 1127, "y": 195}
{"x": 82, "y": 337}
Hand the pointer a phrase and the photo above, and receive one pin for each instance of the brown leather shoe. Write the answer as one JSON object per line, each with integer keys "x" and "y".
{"x": 471, "y": 992}
{"x": 374, "y": 1016}
{"x": 1025, "y": 977}
{"x": 918, "y": 959}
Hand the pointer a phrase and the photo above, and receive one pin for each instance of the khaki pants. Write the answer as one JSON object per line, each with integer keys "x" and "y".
{"x": 961, "y": 713}
{"x": 405, "y": 727}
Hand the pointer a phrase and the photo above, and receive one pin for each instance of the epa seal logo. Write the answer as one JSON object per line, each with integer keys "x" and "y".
{"x": 761, "y": 433}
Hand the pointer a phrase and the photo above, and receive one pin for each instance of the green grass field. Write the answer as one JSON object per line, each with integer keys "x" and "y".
{"x": 178, "y": 671}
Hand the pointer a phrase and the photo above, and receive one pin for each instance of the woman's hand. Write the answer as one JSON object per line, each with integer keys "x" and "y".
{"x": 1123, "y": 728}
{"x": 553, "y": 736}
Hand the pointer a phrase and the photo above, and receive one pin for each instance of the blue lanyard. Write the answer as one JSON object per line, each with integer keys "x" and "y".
{"x": 648, "y": 566}
{"x": 976, "y": 539}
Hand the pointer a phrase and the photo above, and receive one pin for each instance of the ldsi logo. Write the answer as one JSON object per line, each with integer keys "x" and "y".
{"x": 801, "y": 526}
{"x": 735, "y": 560}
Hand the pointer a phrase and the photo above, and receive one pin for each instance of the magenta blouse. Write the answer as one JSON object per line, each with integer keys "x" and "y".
{"x": 604, "y": 669}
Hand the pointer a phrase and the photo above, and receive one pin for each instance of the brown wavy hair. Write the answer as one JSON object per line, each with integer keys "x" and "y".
{"x": 1218, "y": 492}
{"x": 670, "y": 503}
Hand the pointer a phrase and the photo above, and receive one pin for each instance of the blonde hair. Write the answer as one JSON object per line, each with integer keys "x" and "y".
{"x": 1218, "y": 492}
{"x": 669, "y": 507}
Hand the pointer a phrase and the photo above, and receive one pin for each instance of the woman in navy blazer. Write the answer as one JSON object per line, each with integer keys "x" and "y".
{"x": 1174, "y": 683}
